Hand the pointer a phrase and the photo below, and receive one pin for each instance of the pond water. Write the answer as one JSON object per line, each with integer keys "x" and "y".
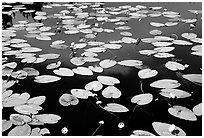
{"x": 83, "y": 119}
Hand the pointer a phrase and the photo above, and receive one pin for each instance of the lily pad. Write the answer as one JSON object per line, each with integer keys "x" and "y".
{"x": 53, "y": 65}
{"x": 114, "y": 107}
{"x": 81, "y": 93}
{"x": 96, "y": 68}
{"x": 165, "y": 83}
{"x": 163, "y": 49}
{"x": 83, "y": 71}
{"x": 111, "y": 92}
{"x": 37, "y": 100}
{"x": 129, "y": 40}
{"x": 94, "y": 85}
{"x": 6, "y": 125}
{"x": 141, "y": 133}
{"x": 11, "y": 65}
{"x": 174, "y": 66}
{"x": 31, "y": 71}
{"x": 174, "y": 93}
{"x": 64, "y": 72}
{"x": 48, "y": 118}
{"x": 27, "y": 109}
{"x": 112, "y": 46}
{"x": 161, "y": 44}
{"x": 107, "y": 80}
{"x": 163, "y": 55}
{"x": 20, "y": 131}
{"x": 155, "y": 24}
{"x": 107, "y": 63}
{"x": 147, "y": 73}
{"x": 50, "y": 56}
{"x": 142, "y": 99}
{"x": 130, "y": 63}
{"x": 182, "y": 113}
{"x": 18, "y": 119}
{"x": 197, "y": 109}
{"x": 78, "y": 61}
{"x": 46, "y": 79}
{"x": 164, "y": 129}
{"x": 189, "y": 35}
{"x": 68, "y": 99}
{"x": 197, "y": 78}
{"x": 182, "y": 42}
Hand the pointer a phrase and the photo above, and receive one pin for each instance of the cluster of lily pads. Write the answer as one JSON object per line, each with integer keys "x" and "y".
{"x": 75, "y": 21}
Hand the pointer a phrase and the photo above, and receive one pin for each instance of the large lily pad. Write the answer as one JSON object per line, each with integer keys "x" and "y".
{"x": 83, "y": 71}
{"x": 114, "y": 107}
{"x": 197, "y": 78}
{"x": 107, "y": 80}
{"x": 46, "y": 78}
{"x": 94, "y": 85}
{"x": 64, "y": 72}
{"x": 20, "y": 131}
{"x": 174, "y": 93}
{"x": 107, "y": 63}
{"x": 147, "y": 73}
{"x": 165, "y": 83}
{"x": 142, "y": 99}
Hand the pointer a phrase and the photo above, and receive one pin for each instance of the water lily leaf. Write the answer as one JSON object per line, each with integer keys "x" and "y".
{"x": 174, "y": 66}
{"x": 20, "y": 131}
{"x": 165, "y": 83}
{"x": 46, "y": 79}
{"x": 44, "y": 131}
{"x": 25, "y": 55}
{"x": 197, "y": 78}
{"x": 114, "y": 107}
{"x": 96, "y": 68}
{"x": 30, "y": 49}
{"x": 164, "y": 129}
{"x": 50, "y": 56}
{"x": 28, "y": 60}
{"x": 58, "y": 42}
{"x": 91, "y": 59}
{"x": 20, "y": 45}
{"x": 63, "y": 72}
{"x": 147, "y": 73}
{"x": 170, "y": 24}
{"x": 17, "y": 40}
{"x": 82, "y": 71}
{"x": 107, "y": 80}
{"x": 6, "y": 125}
{"x": 81, "y": 93}
{"x": 78, "y": 61}
{"x": 96, "y": 49}
{"x": 157, "y": 24}
{"x": 54, "y": 65}
{"x": 107, "y": 63}
{"x": 163, "y": 38}
{"x": 130, "y": 63}
{"x": 90, "y": 36}
{"x": 163, "y": 49}
{"x": 155, "y": 32}
{"x": 189, "y": 20}
{"x": 27, "y": 109}
{"x": 142, "y": 99}
{"x": 43, "y": 37}
{"x": 197, "y": 48}
{"x": 95, "y": 43}
{"x": 20, "y": 74}
{"x": 160, "y": 44}
{"x": 147, "y": 52}
{"x": 126, "y": 33}
{"x": 48, "y": 118}
{"x": 39, "y": 60}
{"x": 79, "y": 45}
{"x": 123, "y": 28}
{"x": 94, "y": 85}
{"x": 15, "y": 100}
{"x": 6, "y": 93}
{"x": 148, "y": 40}
{"x": 37, "y": 100}
{"x": 44, "y": 28}
{"x": 196, "y": 40}
{"x": 182, "y": 42}
{"x": 89, "y": 54}
{"x": 18, "y": 119}
{"x": 68, "y": 99}
{"x": 129, "y": 40}
{"x": 163, "y": 55}
{"x": 182, "y": 113}
{"x": 35, "y": 132}
{"x": 141, "y": 133}
{"x": 39, "y": 17}
{"x": 11, "y": 65}
{"x": 197, "y": 109}
{"x": 174, "y": 93}
{"x": 59, "y": 46}
{"x": 111, "y": 92}
{"x": 112, "y": 46}
{"x": 189, "y": 35}
{"x": 197, "y": 53}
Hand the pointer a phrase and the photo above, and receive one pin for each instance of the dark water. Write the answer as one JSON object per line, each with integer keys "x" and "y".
{"x": 83, "y": 118}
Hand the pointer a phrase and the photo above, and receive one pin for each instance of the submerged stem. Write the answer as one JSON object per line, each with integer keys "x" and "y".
{"x": 96, "y": 130}
{"x": 141, "y": 87}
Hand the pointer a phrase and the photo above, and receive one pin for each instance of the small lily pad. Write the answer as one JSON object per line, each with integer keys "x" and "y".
{"x": 165, "y": 83}
{"x": 107, "y": 80}
{"x": 83, "y": 71}
{"x": 68, "y": 99}
{"x": 174, "y": 93}
{"x": 114, "y": 107}
{"x": 64, "y": 72}
{"x": 94, "y": 85}
{"x": 142, "y": 99}
{"x": 107, "y": 63}
{"x": 46, "y": 79}
{"x": 81, "y": 93}
{"x": 147, "y": 73}
{"x": 197, "y": 109}
{"x": 111, "y": 92}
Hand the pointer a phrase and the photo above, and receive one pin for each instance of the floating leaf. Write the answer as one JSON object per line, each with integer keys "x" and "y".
{"x": 50, "y": 56}
{"x": 59, "y": 46}
{"x": 129, "y": 40}
{"x": 126, "y": 33}
{"x": 107, "y": 63}
{"x": 44, "y": 131}
{"x": 111, "y": 92}
{"x": 163, "y": 49}
{"x": 141, "y": 133}
{"x": 82, "y": 71}
{"x": 142, "y": 99}
{"x": 46, "y": 79}
{"x": 147, "y": 73}
{"x": 197, "y": 109}
{"x": 182, "y": 113}
{"x": 197, "y": 78}
{"x": 130, "y": 63}
{"x": 174, "y": 93}
{"x": 54, "y": 65}
{"x": 164, "y": 129}
{"x": 6, "y": 125}
{"x": 96, "y": 49}
{"x": 165, "y": 83}
{"x": 48, "y": 118}
{"x": 28, "y": 60}
{"x": 163, "y": 38}
{"x": 81, "y": 93}
{"x": 11, "y": 65}
{"x": 147, "y": 52}
{"x": 91, "y": 59}
{"x": 64, "y": 72}
{"x": 112, "y": 46}
{"x": 95, "y": 68}
{"x": 78, "y": 61}
{"x": 196, "y": 40}
{"x": 79, "y": 45}
{"x": 31, "y": 71}
{"x": 114, "y": 107}
{"x": 18, "y": 119}
{"x": 157, "y": 24}
{"x": 189, "y": 35}
{"x": 57, "y": 42}
{"x": 20, "y": 131}
{"x": 107, "y": 80}
{"x": 35, "y": 132}
{"x": 182, "y": 42}
{"x": 163, "y": 55}
{"x": 68, "y": 99}
{"x": 168, "y": 24}
{"x": 174, "y": 66}
{"x": 89, "y": 54}
{"x": 43, "y": 37}
{"x": 27, "y": 109}
{"x": 155, "y": 32}
{"x": 37, "y": 100}
{"x": 158, "y": 44}
{"x": 94, "y": 85}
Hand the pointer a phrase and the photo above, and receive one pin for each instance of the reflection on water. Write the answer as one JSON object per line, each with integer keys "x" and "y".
{"x": 82, "y": 119}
